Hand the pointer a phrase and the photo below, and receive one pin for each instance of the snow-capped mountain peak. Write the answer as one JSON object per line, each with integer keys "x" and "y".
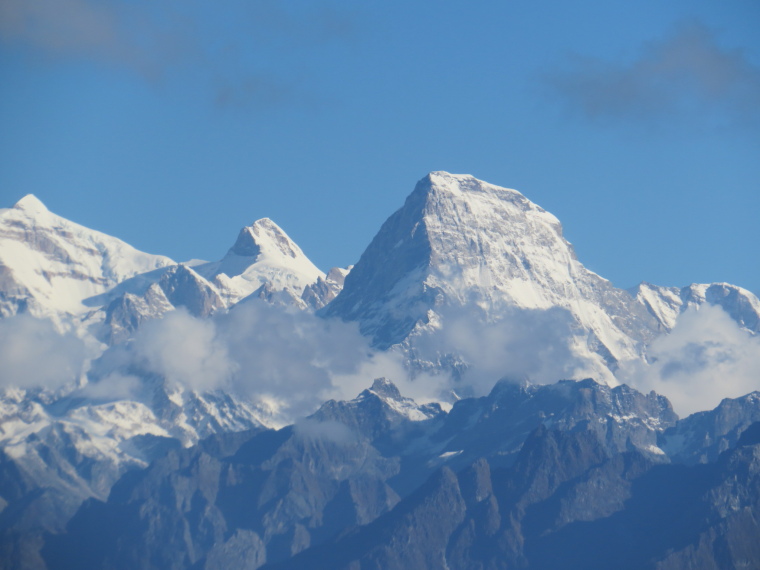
{"x": 271, "y": 240}
{"x": 31, "y": 204}
{"x": 384, "y": 388}
{"x": 263, "y": 262}
{"x": 263, "y": 239}
{"x": 667, "y": 303}
{"x": 461, "y": 242}
{"x": 50, "y": 265}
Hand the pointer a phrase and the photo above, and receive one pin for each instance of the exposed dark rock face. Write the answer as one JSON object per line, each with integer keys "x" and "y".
{"x": 566, "y": 504}
{"x": 701, "y": 437}
{"x": 275, "y": 496}
{"x": 496, "y": 426}
{"x": 559, "y": 476}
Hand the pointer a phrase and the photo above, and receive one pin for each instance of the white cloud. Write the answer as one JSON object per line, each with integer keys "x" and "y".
{"x": 331, "y": 431}
{"x": 705, "y": 358}
{"x": 290, "y": 359}
{"x": 184, "y": 350}
{"x": 33, "y": 354}
{"x": 524, "y": 344}
{"x": 298, "y": 360}
{"x": 291, "y": 355}
{"x": 115, "y": 386}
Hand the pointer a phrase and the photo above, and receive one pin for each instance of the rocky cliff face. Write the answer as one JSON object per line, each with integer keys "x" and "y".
{"x": 565, "y": 503}
{"x": 371, "y": 483}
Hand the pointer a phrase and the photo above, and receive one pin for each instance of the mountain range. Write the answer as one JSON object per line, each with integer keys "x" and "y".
{"x": 155, "y": 448}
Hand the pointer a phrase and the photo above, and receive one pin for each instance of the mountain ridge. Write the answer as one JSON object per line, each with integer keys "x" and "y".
{"x": 457, "y": 247}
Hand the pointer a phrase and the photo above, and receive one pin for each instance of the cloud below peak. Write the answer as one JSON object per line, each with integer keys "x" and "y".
{"x": 34, "y": 354}
{"x": 705, "y": 358}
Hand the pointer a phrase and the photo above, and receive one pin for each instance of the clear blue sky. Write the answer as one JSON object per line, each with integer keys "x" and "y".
{"x": 173, "y": 124}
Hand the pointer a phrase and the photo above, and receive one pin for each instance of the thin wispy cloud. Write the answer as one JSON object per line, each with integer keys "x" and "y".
{"x": 227, "y": 47}
{"x": 685, "y": 75}
{"x": 144, "y": 38}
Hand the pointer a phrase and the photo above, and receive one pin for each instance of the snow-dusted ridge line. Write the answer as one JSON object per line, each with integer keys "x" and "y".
{"x": 667, "y": 303}
{"x": 456, "y": 243}
{"x": 56, "y": 263}
{"x": 100, "y": 288}
{"x": 263, "y": 256}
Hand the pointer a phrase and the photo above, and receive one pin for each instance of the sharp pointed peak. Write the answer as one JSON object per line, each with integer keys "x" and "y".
{"x": 30, "y": 203}
{"x": 265, "y": 223}
{"x": 265, "y": 226}
{"x": 385, "y": 388}
{"x": 246, "y": 245}
{"x": 180, "y": 269}
{"x": 264, "y": 235}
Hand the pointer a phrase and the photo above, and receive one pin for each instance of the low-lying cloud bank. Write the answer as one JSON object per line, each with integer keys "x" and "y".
{"x": 256, "y": 350}
{"x": 705, "y": 358}
{"x": 34, "y": 354}
{"x": 295, "y": 360}
{"x": 530, "y": 344}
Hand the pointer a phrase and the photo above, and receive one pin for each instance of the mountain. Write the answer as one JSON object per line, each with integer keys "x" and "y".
{"x": 321, "y": 292}
{"x": 59, "y": 448}
{"x": 703, "y": 436}
{"x": 102, "y": 288}
{"x": 459, "y": 242}
{"x": 263, "y": 263}
{"x": 49, "y": 266}
{"x": 57, "y": 453}
{"x": 371, "y": 483}
{"x": 178, "y": 286}
{"x": 265, "y": 498}
{"x": 565, "y": 504}
{"x": 667, "y": 303}
{"x": 128, "y": 468}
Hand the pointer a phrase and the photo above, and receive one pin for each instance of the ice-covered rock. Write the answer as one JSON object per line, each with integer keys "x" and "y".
{"x": 262, "y": 259}
{"x": 459, "y": 242}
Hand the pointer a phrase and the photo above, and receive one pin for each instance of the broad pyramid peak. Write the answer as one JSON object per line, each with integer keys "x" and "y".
{"x": 30, "y": 203}
{"x": 442, "y": 174}
{"x": 445, "y": 183}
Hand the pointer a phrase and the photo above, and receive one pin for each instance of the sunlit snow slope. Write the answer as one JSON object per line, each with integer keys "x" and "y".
{"x": 461, "y": 242}
{"x": 49, "y": 265}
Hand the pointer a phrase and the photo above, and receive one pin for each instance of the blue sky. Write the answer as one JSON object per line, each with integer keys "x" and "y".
{"x": 173, "y": 124}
